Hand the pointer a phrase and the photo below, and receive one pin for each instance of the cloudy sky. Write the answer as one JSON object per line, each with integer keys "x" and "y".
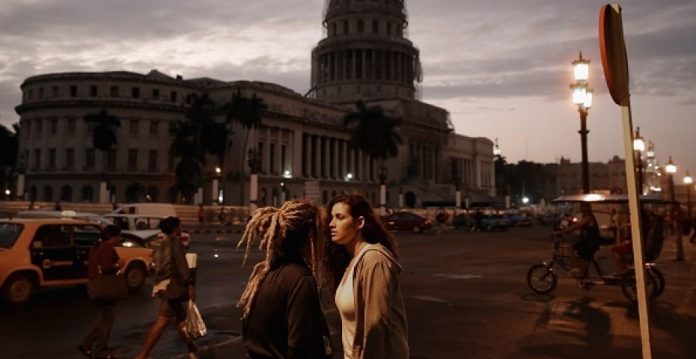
{"x": 502, "y": 68}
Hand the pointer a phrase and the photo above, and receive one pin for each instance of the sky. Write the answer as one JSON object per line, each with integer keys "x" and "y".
{"x": 501, "y": 68}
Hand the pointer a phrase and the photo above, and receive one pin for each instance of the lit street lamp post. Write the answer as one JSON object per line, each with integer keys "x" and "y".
{"x": 382, "y": 173}
{"x": 254, "y": 163}
{"x": 582, "y": 97}
{"x": 671, "y": 169}
{"x": 638, "y": 148}
{"x": 688, "y": 181}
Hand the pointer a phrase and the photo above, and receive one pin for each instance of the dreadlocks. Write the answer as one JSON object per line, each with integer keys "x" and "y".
{"x": 282, "y": 232}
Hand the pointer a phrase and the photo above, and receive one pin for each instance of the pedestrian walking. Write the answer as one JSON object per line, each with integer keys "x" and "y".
{"x": 174, "y": 285}
{"x": 102, "y": 259}
{"x": 201, "y": 216}
{"x": 282, "y": 313}
{"x": 57, "y": 206}
{"x": 363, "y": 273}
{"x": 441, "y": 217}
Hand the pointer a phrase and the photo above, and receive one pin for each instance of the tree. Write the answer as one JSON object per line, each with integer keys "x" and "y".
{"x": 194, "y": 137}
{"x": 248, "y": 112}
{"x": 8, "y": 153}
{"x": 373, "y": 132}
{"x": 104, "y": 133}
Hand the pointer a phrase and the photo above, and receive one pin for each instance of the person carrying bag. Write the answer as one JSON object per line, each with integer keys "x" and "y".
{"x": 104, "y": 287}
{"x": 174, "y": 285}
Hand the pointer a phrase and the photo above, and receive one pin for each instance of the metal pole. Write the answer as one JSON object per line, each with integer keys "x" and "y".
{"x": 688, "y": 201}
{"x": 583, "y": 140}
{"x": 671, "y": 187}
{"x": 639, "y": 166}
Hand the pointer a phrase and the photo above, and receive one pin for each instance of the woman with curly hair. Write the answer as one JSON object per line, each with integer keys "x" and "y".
{"x": 363, "y": 269}
{"x": 282, "y": 315}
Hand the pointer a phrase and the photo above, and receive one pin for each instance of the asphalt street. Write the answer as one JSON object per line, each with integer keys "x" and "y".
{"x": 466, "y": 297}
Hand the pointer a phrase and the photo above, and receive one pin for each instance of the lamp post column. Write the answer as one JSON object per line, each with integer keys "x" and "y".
{"x": 583, "y": 139}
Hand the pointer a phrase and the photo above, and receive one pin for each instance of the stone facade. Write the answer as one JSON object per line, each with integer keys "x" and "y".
{"x": 302, "y": 143}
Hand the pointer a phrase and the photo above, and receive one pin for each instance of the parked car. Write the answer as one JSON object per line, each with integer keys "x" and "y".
{"x": 492, "y": 222}
{"x": 519, "y": 220}
{"x": 462, "y": 221}
{"x": 50, "y": 252}
{"x": 407, "y": 221}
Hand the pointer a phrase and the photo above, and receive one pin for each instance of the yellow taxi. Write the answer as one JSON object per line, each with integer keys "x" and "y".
{"x": 48, "y": 252}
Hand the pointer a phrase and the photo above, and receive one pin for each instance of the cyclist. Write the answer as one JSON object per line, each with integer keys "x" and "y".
{"x": 588, "y": 244}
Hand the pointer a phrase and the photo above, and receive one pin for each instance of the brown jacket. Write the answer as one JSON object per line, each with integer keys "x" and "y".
{"x": 381, "y": 330}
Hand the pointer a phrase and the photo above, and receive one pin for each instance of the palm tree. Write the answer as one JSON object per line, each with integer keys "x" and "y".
{"x": 104, "y": 133}
{"x": 248, "y": 112}
{"x": 8, "y": 154}
{"x": 199, "y": 134}
{"x": 375, "y": 133}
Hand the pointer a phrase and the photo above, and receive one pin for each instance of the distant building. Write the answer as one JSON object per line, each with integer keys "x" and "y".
{"x": 302, "y": 142}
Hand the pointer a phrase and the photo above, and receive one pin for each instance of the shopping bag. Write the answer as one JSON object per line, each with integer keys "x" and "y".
{"x": 107, "y": 287}
{"x": 194, "y": 325}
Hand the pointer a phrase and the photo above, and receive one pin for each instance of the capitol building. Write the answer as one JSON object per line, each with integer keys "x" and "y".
{"x": 302, "y": 143}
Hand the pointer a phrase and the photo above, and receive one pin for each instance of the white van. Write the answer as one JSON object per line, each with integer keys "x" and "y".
{"x": 148, "y": 209}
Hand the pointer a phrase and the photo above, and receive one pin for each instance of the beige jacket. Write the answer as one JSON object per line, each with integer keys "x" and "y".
{"x": 381, "y": 330}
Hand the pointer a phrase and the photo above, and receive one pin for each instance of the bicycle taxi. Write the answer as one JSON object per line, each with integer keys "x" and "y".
{"x": 614, "y": 247}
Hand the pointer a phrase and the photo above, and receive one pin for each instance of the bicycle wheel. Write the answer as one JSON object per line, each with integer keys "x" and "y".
{"x": 541, "y": 279}
{"x": 630, "y": 290}
{"x": 659, "y": 281}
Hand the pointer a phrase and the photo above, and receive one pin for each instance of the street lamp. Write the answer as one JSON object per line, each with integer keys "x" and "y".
{"x": 688, "y": 181}
{"x": 496, "y": 148}
{"x": 582, "y": 97}
{"x": 254, "y": 163}
{"x": 382, "y": 174}
{"x": 671, "y": 169}
{"x": 638, "y": 148}
{"x": 215, "y": 186}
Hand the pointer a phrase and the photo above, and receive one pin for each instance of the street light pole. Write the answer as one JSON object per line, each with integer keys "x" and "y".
{"x": 638, "y": 148}
{"x": 671, "y": 169}
{"x": 582, "y": 97}
{"x": 688, "y": 181}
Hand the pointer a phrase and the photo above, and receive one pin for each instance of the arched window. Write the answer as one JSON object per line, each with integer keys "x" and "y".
{"x": 345, "y": 27}
{"x": 48, "y": 193}
{"x": 389, "y": 25}
{"x": 375, "y": 26}
{"x": 66, "y": 193}
{"x": 87, "y": 193}
{"x": 361, "y": 26}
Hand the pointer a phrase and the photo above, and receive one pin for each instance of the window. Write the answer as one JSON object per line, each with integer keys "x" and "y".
{"x": 154, "y": 127}
{"x": 93, "y": 91}
{"x": 389, "y": 26}
{"x": 26, "y": 128}
{"x": 31, "y": 94}
{"x": 283, "y": 154}
{"x": 271, "y": 162}
{"x": 87, "y": 193}
{"x": 69, "y": 158}
{"x": 37, "y": 159}
{"x": 111, "y": 160}
{"x": 54, "y": 91}
{"x": 375, "y": 26}
{"x": 133, "y": 127}
{"x": 333, "y": 29}
{"x": 54, "y": 235}
{"x": 173, "y": 96}
{"x": 132, "y": 159}
{"x": 66, "y": 193}
{"x": 345, "y": 27}
{"x": 51, "y": 158}
{"x": 361, "y": 26}
{"x": 152, "y": 160}
{"x": 39, "y": 126}
{"x": 71, "y": 124}
{"x": 89, "y": 158}
{"x": 113, "y": 91}
{"x": 90, "y": 127}
{"x": 73, "y": 91}
{"x": 135, "y": 92}
{"x": 155, "y": 94}
{"x": 54, "y": 125}
{"x": 41, "y": 93}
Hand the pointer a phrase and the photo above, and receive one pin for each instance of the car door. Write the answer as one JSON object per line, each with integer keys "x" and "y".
{"x": 52, "y": 250}
{"x": 85, "y": 236}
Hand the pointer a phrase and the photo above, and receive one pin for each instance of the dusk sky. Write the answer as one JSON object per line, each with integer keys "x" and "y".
{"x": 501, "y": 68}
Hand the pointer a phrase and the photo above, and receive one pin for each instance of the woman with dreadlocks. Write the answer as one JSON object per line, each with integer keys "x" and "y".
{"x": 363, "y": 274}
{"x": 282, "y": 315}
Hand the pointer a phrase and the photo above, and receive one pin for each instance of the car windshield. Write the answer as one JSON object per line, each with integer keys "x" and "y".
{"x": 9, "y": 232}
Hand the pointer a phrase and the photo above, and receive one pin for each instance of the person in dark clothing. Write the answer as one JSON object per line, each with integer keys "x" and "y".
{"x": 174, "y": 284}
{"x": 585, "y": 247}
{"x": 102, "y": 259}
{"x": 282, "y": 314}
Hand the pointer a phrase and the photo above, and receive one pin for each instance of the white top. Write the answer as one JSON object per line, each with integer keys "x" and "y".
{"x": 345, "y": 303}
